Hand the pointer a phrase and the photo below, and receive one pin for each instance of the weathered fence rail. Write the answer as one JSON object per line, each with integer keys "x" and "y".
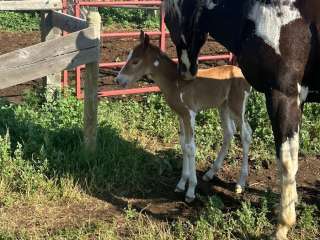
{"x": 48, "y": 57}
{"x": 30, "y": 5}
{"x": 57, "y": 53}
{"x": 67, "y": 22}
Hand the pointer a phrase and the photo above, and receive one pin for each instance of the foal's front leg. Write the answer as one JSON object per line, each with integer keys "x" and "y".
{"x": 187, "y": 123}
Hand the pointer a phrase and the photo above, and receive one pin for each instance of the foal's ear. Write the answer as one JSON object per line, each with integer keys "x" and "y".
{"x": 144, "y": 39}
{"x": 141, "y": 36}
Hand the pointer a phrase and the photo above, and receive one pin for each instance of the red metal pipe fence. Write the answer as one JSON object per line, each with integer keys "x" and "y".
{"x": 162, "y": 34}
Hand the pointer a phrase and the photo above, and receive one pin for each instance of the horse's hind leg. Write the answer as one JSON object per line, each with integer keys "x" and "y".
{"x": 228, "y": 132}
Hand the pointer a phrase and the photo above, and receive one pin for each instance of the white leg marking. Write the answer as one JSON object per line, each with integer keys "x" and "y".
{"x": 246, "y": 133}
{"x": 191, "y": 153}
{"x": 185, "y": 164}
{"x": 183, "y": 39}
{"x": 269, "y": 19}
{"x": 185, "y": 59}
{"x": 181, "y": 96}
{"x": 288, "y": 169}
{"x": 229, "y": 131}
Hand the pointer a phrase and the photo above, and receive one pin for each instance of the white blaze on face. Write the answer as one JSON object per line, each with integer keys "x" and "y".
{"x": 121, "y": 76}
{"x": 128, "y": 58}
{"x": 269, "y": 19}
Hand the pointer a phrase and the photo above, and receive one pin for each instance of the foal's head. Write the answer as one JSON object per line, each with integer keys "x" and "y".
{"x": 182, "y": 20}
{"x": 139, "y": 63}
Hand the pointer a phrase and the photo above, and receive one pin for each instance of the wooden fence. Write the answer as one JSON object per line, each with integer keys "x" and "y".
{"x": 57, "y": 53}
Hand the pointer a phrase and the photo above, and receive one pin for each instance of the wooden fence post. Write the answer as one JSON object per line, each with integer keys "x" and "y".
{"x": 52, "y": 82}
{"x": 91, "y": 89}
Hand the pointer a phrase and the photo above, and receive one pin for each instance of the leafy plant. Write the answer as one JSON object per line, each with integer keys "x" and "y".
{"x": 14, "y": 21}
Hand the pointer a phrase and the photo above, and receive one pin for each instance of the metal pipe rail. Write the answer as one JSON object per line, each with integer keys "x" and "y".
{"x": 162, "y": 34}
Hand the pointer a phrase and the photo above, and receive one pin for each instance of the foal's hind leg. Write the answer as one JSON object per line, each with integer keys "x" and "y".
{"x": 185, "y": 164}
{"x": 246, "y": 132}
{"x": 228, "y": 132}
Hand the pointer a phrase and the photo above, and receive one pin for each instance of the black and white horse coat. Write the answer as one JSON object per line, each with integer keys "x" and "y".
{"x": 277, "y": 45}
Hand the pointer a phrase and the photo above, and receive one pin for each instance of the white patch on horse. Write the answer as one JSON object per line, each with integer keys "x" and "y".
{"x": 183, "y": 39}
{"x": 269, "y": 20}
{"x": 304, "y": 94}
{"x": 156, "y": 63}
{"x": 210, "y": 4}
{"x": 181, "y": 96}
{"x": 185, "y": 59}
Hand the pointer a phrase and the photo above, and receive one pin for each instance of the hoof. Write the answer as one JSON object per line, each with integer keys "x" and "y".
{"x": 238, "y": 189}
{"x": 178, "y": 190}
{"x": 189, "y": 199}
{"x": 281, "y": 233}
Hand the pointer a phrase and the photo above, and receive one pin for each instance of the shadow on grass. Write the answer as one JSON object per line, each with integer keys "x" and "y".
{"x": 121, "y": 169}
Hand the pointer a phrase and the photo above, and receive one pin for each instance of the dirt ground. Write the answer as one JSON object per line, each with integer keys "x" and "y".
{"x": 165, "y": 204}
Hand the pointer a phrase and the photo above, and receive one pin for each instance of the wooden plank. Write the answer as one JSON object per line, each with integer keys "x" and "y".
{"x": 48, "y": 57}
{"x": 30, "y": 5}
{"x": 67, "y": 22}
{"x": 52, "y": 82}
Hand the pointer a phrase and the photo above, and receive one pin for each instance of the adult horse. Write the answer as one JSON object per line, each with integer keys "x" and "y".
{"x": 277, "y": 44}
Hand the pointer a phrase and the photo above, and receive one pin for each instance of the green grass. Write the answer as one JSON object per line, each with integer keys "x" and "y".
{"x": 45, "y": 176}
{"x": 15, "y": 21}
{"x": 111, "y": 18}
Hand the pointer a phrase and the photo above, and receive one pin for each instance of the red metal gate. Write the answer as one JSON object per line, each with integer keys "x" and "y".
{"x": 162, "y": 34}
